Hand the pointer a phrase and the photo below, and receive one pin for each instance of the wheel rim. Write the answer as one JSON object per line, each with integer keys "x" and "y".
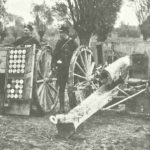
{"x": 81, "y": 71}
{"x": 46, "y": 89}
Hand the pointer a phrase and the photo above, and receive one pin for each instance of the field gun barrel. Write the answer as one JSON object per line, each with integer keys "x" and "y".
{"x": 68, "y": 123}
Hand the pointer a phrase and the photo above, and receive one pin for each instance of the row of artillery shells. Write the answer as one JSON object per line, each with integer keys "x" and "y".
{"x": 13, "y": 71}
{"x": 18, "y": 51}
{"x": 15, "y": 96}
{"x": 15, "y": 88}
{"x": 17, "y": 61}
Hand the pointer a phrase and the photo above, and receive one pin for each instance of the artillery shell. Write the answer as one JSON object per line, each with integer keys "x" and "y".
{"x": 19, "y": 56}
{"x": 10, "y": 66}
{"x": 14, "y": 70}
{"x": 12, "y": 96}
{"x": 17, "y": 81}
{"x": 17, "y": 86}
{"x": 12, "y": 90}
{"x": 19, "y": 60}
{"x": 16, "y": 96}
{"x": 15, "y": 56}
{"x": 10, "y": 71}
{"x": 20, "y": 96}
{"x": 10, "y": 61}
{"x": 21, "y": 81}
{"x": 8, "y": 96}
{"x": 21, "y": 86}
{"x": 14, "y": 66}
{"x": 22, "y": 66}
{"x": 11, "y": 56}
{"x": 13, "y": 81}
{"x": 8, "y": 91}
{"x": 20, "y": 91}
{"x": 18, "y": 70}
{"x": 19, "y": 51}
{"x": 11, "y": 51}
{"x": 8, "y": 86}
{"x": 22, "y": 70}
{"x": 18, "y": 66}
{"x": 23, "y": 56}
{"x": 23, "y": 61}
{"x": 15, "y": 51}
{"x": 15, "y": 61}
{"x": 24, "y": 51}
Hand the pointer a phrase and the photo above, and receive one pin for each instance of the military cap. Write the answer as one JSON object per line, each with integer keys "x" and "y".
{"x": 64, "y": 28}
{"x": 29, "y": 27}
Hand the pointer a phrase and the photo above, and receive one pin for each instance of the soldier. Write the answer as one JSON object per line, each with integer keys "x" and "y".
{"x": 61, "y": 58}
{"x": 27, "y": 39}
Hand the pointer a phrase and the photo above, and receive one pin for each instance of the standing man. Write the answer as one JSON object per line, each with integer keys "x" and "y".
{"x": 27, "y": 38}
{"x": 61, "y": 59}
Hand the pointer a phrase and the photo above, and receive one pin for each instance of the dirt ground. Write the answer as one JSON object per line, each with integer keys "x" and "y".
{"x": 104, "y": 131}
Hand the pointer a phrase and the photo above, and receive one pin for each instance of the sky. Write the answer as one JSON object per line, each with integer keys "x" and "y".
{"x": 23, "y": 9}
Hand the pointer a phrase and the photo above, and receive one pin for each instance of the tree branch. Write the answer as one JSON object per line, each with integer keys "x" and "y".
{"x": 71, "y": 11}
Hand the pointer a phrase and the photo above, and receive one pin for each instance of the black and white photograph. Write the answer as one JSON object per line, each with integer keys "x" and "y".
{"x": 74, "y": 74}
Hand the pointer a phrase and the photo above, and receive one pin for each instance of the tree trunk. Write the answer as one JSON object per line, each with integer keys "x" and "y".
{"x": 84, "y": 38}
{"x": 41, "y": 38}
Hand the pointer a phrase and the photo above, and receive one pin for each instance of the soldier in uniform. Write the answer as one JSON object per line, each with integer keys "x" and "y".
{"x": 61, "y": 59}
{"x": 27, "y": 38}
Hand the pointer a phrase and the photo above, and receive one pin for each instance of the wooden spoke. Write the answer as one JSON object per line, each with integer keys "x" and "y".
{"x": 52, "y": 88}
{"x": 80, "y": 68}
{"x": 39, "y": 90}
{"x": 40, "y": 81}
{"x": 86, "y": 59}
{"x": 91, "y": 69}
{"x": 77, "y": 75}
{"x": 89, "y": 59}
{"x": 42, "y": 96}
{"x": 49, "y": 94}
{"x": 82, "y": 61}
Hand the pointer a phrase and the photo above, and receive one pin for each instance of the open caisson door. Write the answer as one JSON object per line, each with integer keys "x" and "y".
{"x": 45, "y": 91}
{"x": 82, "y": 67}
{"x": 19, "y": 80}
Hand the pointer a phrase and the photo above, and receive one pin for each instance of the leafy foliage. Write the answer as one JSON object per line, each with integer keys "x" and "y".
{"x": 2, "y": 19}
{"x": 2, "y": 8}
{"x": 43, "y": 18}
{"x": 17, "y": 29}
{"x": 91, "y": 17}
{"x": 61, "y": 10}
{"x": 128, "y": 31}
{"x": 143, "y": 16}
{"x": 145, "y": 29}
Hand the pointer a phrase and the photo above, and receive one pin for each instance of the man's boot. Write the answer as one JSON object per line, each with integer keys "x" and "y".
{"x": 72, "y": 98}
{"x": 61, "y": 102}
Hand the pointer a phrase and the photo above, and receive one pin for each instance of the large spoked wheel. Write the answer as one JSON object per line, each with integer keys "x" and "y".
{"x": 81, "y": 71}
{"x": 45, "y": 83}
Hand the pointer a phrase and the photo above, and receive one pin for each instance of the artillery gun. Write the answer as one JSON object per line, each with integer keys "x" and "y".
{"x": 96, "y": 80}
{"x": 120, "y": 82}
